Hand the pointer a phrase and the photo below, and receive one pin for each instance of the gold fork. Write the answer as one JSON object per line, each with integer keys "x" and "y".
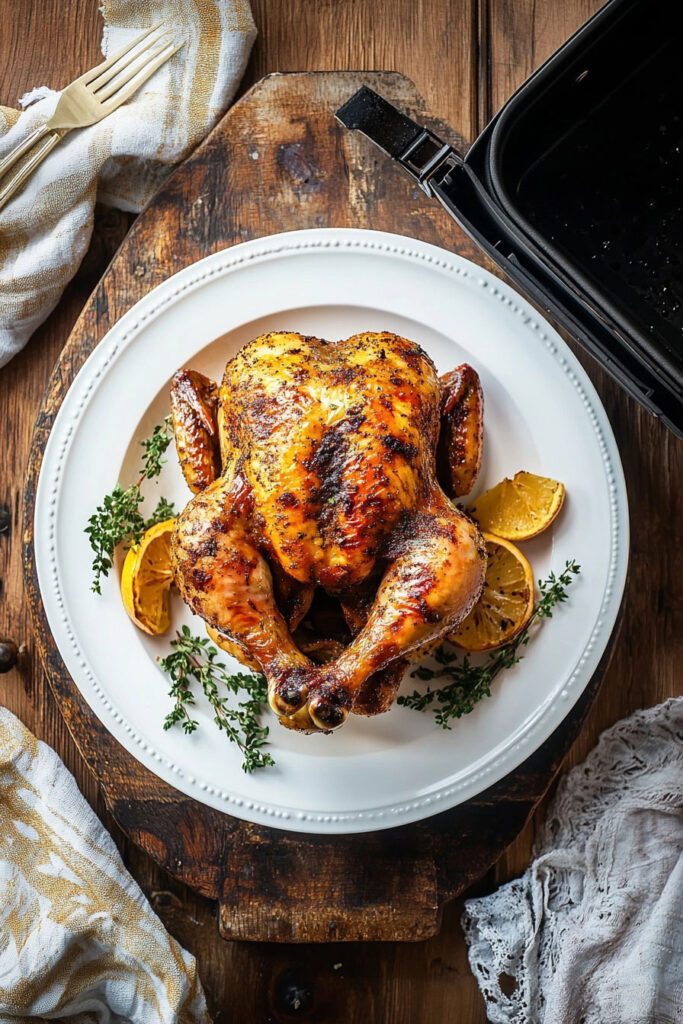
{"x": 89, "y": 99}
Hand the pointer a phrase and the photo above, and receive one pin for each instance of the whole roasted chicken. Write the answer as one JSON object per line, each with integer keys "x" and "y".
{"x": 323, "y": 474}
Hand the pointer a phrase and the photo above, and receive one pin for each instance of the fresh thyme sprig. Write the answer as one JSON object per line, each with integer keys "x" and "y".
{"x": 163, "y": 510}
{"x": 468, "y": 683}
{"x": 154, "y": 448}
{"x": 119, "y": 518}
{"x": 194, "y": 658}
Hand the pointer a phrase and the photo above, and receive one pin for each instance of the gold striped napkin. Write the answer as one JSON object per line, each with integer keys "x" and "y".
{"x": 45, "y": 230}
{"x": 78, "y": 940}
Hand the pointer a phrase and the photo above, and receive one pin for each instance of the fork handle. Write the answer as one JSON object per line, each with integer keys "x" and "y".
{"x": 16, "y": 154}
{"x": 16, "y": 180}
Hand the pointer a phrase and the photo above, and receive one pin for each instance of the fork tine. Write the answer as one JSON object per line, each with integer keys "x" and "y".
{"x": 130, "y": 72}
{"x": 89, "y": 76}
{"x": 137, "y": 57}
{"x": 133, "y": 83}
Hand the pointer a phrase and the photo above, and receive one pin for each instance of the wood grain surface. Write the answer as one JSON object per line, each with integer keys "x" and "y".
{"x": 381, "y": 886}
{"x": 465, "y": 58}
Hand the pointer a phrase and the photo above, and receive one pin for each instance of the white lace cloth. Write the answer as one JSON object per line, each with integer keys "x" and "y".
{"x": 593, "y": 931}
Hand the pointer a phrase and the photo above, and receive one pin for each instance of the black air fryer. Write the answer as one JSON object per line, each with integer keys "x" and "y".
{"x": 575, "y": 190}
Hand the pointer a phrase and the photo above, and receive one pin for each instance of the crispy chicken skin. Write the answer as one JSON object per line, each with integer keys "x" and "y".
{"x": 461, "y": 439}
{"x": 328, "y": 479}
{"x": 194, "y": 404}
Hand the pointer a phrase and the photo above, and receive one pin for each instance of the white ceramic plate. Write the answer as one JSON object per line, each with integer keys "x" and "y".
{"x": 542, "y": 414}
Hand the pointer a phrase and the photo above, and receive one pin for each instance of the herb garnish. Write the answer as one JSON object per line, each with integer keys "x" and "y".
{"x": 194, "y": 658}
{"x": 471, "y": 683}
{"x": 119, "y": 517}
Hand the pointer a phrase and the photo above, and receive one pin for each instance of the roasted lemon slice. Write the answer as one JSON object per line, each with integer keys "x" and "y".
{"x": 506, "y": 603}
{"x": 520, "y": 508}
{"x": 146, "y": 580}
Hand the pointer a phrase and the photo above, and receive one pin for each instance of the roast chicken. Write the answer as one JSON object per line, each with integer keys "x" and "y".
{"x": 325, "y": 475}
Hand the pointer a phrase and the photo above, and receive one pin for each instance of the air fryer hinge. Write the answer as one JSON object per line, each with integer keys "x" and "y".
{"x": 425, "y": 156}
{"x": 419, "y": 151}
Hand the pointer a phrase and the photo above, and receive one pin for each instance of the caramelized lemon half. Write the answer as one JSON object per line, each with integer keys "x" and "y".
{"x": 520, "y": 508}
{"x": 506, "y": 603}
{"x": 146, "y": 580}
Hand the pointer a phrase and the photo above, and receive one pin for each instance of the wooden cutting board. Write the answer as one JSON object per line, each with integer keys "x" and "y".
{"x": 279, "y": 161}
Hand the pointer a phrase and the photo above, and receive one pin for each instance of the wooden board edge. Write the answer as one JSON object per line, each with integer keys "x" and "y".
{"x": 73, "y": 356}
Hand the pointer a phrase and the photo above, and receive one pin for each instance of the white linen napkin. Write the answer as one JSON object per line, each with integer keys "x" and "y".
{"x": 45, "y": 229}
{"x": 78, "y": 940}
{"x": 593, "y": 931}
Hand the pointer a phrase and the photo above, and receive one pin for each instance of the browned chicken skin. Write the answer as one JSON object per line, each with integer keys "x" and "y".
{"x": 194, "y": 404}
{"x": 461, "y": 440}
{"x": 328, "y": 479}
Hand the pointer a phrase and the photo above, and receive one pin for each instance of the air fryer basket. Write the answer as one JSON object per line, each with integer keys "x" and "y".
{"x": 589, "y": 164}
{"x": 575, "y": 190}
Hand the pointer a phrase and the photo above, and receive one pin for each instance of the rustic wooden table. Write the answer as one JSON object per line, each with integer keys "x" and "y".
{"x": 466, "y": 57}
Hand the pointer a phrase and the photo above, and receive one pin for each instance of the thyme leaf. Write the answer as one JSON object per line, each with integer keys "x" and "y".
{"x": 193, "y": 659}
{"x": 119, "y": 519}
{"x": 154, "y": 448}
{"x": 163, "y": 510}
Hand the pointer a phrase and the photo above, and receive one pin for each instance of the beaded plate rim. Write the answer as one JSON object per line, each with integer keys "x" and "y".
{"x": 124, "y": 332}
